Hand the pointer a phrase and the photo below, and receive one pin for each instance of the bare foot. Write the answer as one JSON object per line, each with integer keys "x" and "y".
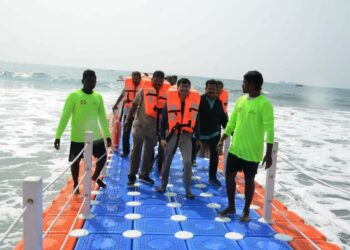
{"x": 245, "y": 217}
{"x": 228, "y": 211}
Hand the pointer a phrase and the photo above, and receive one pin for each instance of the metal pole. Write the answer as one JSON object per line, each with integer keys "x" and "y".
{"x": 87, "y": 180}
{"x": 270, "y": 186}
{"x": 32, "y": 218}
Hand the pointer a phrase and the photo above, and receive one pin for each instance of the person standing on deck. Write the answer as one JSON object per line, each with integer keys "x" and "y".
{"x": 222, "y": 95}
{"x": 131, "y": 87}
{"x": 212, "y": 117}
{"x": 86, "y": 108}
{"x": 251, "y": 118}
{"x": 179, "y": 120}
{"x": 148, "y": 105}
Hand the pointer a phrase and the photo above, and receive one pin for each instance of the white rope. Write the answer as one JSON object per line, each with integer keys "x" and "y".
{"x": 69, "y": 166}
{"x": 101, "y": 157}
{"x": 318, "y": 211}
{"x": 29, "y": 202}
{"x": 314, "y": 178}
{"x": 291, "y": 223}
{"x": 64, "y": 206}
{"x": 73, "y": 224}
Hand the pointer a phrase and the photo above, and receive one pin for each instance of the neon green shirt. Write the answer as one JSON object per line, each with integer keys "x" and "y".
{"x": 248, "y": 122}
{"x": 86, "y": 111}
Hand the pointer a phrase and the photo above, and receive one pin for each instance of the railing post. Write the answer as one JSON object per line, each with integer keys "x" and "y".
{"x": 87, "y": 179}
{"x": 226, "y": 149}
{"x": 270, "y": 186}
{"x": 32, "y": 218}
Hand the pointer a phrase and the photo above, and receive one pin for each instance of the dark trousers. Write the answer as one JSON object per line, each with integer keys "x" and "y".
{"x": 214, "y": 157}
{"x": 126, "y": 139}
{"x": 194, "y": 150}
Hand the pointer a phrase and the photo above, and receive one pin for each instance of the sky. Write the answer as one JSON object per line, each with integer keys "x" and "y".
{"x": 291, "y": 40}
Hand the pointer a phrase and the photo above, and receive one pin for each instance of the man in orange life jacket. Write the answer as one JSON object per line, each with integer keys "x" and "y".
{"x": 212, "y": 117}
{"x": 179, "y": 119}
{"x": 222, "y": 94}
{"x": 148, "y": 104}
{"x": 131, "y": 86}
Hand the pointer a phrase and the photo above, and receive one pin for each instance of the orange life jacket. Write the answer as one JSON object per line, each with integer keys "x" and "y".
{"x": 188, "y": 120}
{"x": 130, "y": 91}
{"x": 154, "y": 102}
{"x": 223, "y": 97}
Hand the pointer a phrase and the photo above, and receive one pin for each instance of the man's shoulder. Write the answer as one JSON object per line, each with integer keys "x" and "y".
{"x": 265, "y": 100}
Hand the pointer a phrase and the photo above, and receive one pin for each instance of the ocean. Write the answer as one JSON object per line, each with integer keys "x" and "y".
{"x": 311, "y": 125}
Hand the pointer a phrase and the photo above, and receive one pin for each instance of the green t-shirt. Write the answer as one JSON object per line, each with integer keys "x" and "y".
{"x": 248, "y": 122}
{"x": 86, "y": 111}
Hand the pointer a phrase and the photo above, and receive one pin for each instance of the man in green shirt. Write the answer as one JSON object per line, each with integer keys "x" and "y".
{"x": 87, "y": 110}
{"x": 251, "y": 118}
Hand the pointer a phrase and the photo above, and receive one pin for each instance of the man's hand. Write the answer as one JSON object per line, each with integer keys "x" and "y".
{"x": 109, "y": 142}
{"x": 219, "y": 147}
{"x": 268, "y": 160}
{"x": 57, "y": 144}
{"x": 164, "y": 143}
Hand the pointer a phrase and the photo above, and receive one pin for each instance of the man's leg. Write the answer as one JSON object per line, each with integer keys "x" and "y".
{"x": 75, "y": 149}
{"x": 230, "y": 178}
{"x": 168, "y": 152}
{"x": 160, "y": 159}
{"x": 75, "y": 174}
{"x": 214, "y": 160}
{"x": 149, "y": 144}
{"x": 126, "y": 140}
{"x": 249, "y": 193}
{"x": 135, "y": 157}
{"x": 99, "y": 151}
{"x": 194, "y": 152}
{"x": 185, "y": 145}
{"x": 250, "y": 170}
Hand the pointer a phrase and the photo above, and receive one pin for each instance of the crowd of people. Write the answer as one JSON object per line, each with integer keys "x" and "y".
{"x": 170, "y": 112}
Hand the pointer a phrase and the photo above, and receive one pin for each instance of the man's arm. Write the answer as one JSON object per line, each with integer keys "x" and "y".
{"x": 229, "y": 129}
{"x": 222, "y": 115}
{"x": 137, "y": 101}
{"x": 120, "y": 98}
{"x": 268, "y": 123}
{"x": 65, "y": 116}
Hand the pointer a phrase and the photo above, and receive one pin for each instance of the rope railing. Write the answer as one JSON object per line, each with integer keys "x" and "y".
{"x": 73, "y": 224}
{"x": 33, "y": 194}
{"x": 330, "y": 219}
{"x": 62, "y": 173}
{"x": 291, "y": 223}
{"x": 10, "y": 228}
{"x": 64, "y": 207}
{"x": 314, "y": 178}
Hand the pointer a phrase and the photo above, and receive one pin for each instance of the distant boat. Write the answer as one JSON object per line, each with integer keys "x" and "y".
{"x": 299, "y": 85}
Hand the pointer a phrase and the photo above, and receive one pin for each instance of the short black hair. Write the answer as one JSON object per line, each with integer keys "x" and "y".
{"x": 210, "y": 82}
{"x": 146, "y": 74}
{"x": 158, "y": 73}
{"x": 183, "y": 80}
{"x": 88, "y": 73}
{"x": 136, "y": 73}
{"x": 218, "y": 82}
{"x": 254, "y": 77}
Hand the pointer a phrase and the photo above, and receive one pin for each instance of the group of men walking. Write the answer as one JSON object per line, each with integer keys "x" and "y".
{"x": 174, "y": 114}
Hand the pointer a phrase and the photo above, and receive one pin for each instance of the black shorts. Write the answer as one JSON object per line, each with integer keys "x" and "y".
{"x": 235, "y": 164}
{"x": 98, "y": 149}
